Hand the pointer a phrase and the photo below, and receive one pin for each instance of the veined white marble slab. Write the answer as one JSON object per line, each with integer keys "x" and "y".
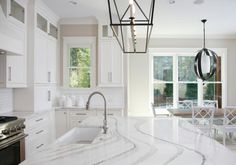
{"x": 139, "y": 141}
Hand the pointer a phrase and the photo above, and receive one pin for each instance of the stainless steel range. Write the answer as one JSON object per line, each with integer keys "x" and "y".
{"x": 12, "y": 140}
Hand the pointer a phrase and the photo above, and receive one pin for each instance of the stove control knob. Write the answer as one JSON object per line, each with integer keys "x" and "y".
{"x": 5, "y": 132}
{"x": 22, "y": 126}
{"x": 13, "y": 129}
{"x": 18, "y": 128}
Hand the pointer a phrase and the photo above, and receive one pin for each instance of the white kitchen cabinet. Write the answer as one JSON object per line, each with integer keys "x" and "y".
{"x": 15, "y": 10}
{"x": 51, "y": 60}
{"x": 13, "y": 40}
{"x": 110, "y": 64}
{"x": 40, "y": 130}
{"x": 61, "y": 122}
{"x": 45, "y": 58}
{"x": 40, "y": 59}
{"x": 76, "y": 117}
{"x": 44, "y": 97}
{"x": 13, "y": 71}
{"x": 67, "y": 119}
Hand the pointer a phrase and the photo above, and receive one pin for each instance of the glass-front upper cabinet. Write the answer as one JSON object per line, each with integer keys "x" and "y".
{"x": 17, "y": 11}
{"x": 53, "y": 30}
{"x": 42, "y": 23}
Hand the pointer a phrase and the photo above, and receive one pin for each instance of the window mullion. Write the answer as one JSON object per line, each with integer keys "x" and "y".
{"x": 200, "y": 92}
{"x": 175, "y": 80}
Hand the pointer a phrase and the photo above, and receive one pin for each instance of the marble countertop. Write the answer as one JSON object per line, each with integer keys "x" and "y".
{"x": 83, "y": 109}
{"x": 142, "y": 141}
{"x": 25, "y": 114}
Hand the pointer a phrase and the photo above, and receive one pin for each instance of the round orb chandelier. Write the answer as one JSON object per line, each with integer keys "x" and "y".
{"x": 205, "y": 60}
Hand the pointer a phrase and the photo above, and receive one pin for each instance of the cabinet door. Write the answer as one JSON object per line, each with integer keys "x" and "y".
{"x": 77, "y": 117}
{"x": 44, "y": 97}
{"x": 105, "y": 62}
{"x": 110, "y": 64}
{"x": 117, "y": 61}
{"x": 61, "y": 123}
{"x": 16, "y": 71}
{"x": 51, "y": 62}
{"x": 40, "y": 61}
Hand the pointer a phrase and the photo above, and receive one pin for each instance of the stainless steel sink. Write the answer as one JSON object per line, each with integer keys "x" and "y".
{"x": 79, "y": 135}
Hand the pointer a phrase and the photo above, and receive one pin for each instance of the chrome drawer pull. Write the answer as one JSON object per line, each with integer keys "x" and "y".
{"x": 39, "y": 132}
{"x": 39, "y": 120}
{"x": 81, "y": 114}
{"x": 39, "y": 146}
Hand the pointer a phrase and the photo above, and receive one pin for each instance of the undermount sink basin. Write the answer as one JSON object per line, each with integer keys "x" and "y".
{"x": 79, "y": 135}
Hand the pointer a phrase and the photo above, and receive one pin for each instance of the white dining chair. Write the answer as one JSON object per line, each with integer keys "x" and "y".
{"x": 210, "y": 103}
{"x": 229, "y": 123}
{"x": 202, "y": 118}
{"x": 185, "y": 105}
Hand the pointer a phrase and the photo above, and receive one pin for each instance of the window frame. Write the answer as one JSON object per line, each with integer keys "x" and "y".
{"x": 175, "y": 53}
{"x": 83, "y": 42}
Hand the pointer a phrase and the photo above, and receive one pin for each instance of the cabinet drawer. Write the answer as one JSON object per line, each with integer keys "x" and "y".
{"x": 109, "y": 113}
{"x": 36, "y": 122}
{"x": 82, "y": 114}
{"x": 35, "y": 145}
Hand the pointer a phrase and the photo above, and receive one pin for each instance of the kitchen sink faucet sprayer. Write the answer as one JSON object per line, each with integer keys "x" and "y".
{"x": 105, "y": 109}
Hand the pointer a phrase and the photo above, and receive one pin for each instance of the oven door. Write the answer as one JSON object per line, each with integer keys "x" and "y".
{"x": 12, "y": 150}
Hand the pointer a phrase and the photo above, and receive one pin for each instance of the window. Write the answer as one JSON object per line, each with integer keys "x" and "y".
{"x": 79, "y": 62}
{"x": 174, "y": 79}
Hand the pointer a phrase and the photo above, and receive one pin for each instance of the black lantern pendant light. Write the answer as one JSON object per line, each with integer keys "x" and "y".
{"x": 130, "y": 22}
{"x": 205, "y": 60}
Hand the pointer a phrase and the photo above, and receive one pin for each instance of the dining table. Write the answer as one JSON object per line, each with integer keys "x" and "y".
{"x": 187, "y": 113}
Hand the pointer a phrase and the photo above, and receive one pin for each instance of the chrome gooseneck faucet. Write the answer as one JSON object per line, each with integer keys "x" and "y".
{"x": 105, "y": 109}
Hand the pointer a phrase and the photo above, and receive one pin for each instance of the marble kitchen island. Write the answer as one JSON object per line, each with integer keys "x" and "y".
{"x": 143, "y": 141}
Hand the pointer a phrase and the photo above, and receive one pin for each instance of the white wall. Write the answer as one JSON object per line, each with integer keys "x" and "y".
{"x": 139, "y": 78}
{"x": 138, "y": 86}
{"x": 6, "y": 100}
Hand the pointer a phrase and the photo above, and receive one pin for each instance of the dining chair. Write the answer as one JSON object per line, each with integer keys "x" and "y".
{"x": 202, "y": 118}
{"x": 229, "y": 123}
{"x": 185, "y": 105}
{"x": 210, "y": 103}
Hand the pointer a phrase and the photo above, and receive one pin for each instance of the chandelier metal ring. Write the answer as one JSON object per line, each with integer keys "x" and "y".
{"x": 198, "y": 63}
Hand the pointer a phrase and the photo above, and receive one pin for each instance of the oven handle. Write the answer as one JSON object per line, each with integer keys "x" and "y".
{"x": 12, "y": 140}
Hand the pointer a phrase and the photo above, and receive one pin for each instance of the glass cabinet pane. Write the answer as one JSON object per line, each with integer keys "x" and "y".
{"x": 53, "y": 30}
{"x": 42, "y": 23}
{"x": 17, "y": 11}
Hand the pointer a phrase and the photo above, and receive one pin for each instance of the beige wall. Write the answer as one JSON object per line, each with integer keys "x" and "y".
{"x": 71, "y": 30}
{"x": 139, "y": 78}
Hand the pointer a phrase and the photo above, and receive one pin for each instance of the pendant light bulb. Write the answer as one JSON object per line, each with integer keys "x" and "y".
{"x": 131, "y": 2}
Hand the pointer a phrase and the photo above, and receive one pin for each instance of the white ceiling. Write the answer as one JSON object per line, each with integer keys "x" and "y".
{"x": 181, "y": 19}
